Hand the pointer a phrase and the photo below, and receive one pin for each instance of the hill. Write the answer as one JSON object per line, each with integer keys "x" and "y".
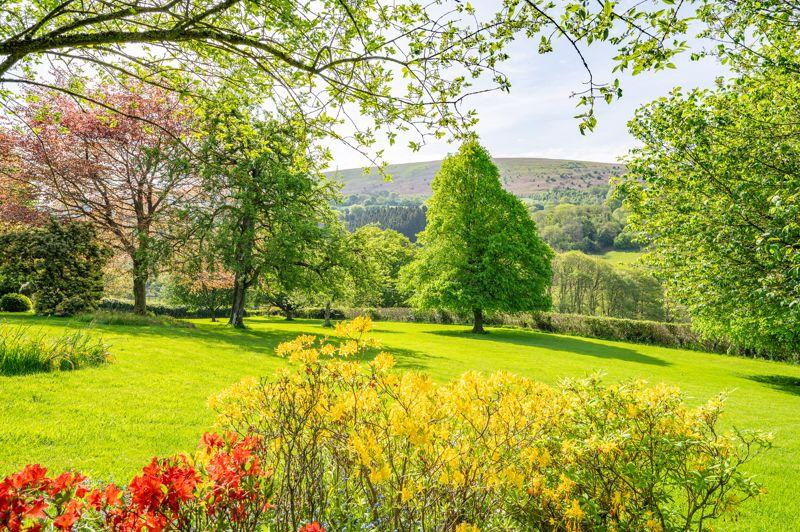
{"x": 522, "y": 176}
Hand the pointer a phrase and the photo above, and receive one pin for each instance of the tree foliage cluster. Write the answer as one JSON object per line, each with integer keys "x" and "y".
{"x": 407, "y": 220}
{"x": 480, "y": 249}
{"x": 587, "y": 228}
{"x": 588, "y": 285}
{"x": 715, "y": 186}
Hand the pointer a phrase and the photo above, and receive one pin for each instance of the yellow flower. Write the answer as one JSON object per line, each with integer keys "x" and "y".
{"x": 383, "y": 362}
{"x": 574, "y": 511}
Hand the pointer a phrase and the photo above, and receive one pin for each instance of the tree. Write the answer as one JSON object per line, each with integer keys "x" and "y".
{"x": 715, "y": 188}
{"x": 583, "y": 284}
{"x": 63, "y": 261}
{"x": 264, "y": 201}
{"x": 17, "y": 200}
{"x": 480, "y": 250}
{"x": 126, "y": 176}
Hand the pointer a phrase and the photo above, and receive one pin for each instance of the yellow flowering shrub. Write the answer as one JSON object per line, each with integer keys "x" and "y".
{"x": 358, "y": 445}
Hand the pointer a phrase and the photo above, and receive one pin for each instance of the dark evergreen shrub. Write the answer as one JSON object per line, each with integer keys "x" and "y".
{"x": 15, "y": 303}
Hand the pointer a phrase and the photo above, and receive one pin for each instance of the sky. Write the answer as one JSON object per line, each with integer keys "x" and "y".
{"x": 536, "y": 118}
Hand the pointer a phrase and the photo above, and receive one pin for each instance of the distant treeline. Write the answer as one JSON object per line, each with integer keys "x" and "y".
{"x": 408, "y": 220}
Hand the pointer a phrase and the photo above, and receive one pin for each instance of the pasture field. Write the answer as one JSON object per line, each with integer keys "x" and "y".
{"x": 151, "y": 399}
{"x": 621, "y": 258}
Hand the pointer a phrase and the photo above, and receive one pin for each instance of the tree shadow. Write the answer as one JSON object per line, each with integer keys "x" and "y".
{"x": 782, "y": 383}
{"x": 565, "y": 344}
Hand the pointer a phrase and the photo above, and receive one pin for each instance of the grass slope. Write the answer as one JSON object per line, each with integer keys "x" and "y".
{"x": 151, "y": 399}
{"x": 522, "y": 176}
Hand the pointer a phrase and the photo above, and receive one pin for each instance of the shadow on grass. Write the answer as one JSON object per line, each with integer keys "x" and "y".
{"x": 782, "y": 383}
{"x": 260, "y": 337}
{"x": 557, "y": 343}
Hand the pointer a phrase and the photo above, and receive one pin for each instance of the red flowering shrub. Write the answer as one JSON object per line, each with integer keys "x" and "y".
{"x": 223, "y": 486}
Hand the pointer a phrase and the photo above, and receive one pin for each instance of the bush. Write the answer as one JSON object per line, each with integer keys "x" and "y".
{"x": 22, "y": 352}
{"x": 15, "y": 303}
{"x": 105, "y": 317}
{"x": 176, "y": 311}
{"x": 61, "y": 261}
{"x": 71, "y": 306}
{"x": 355, "y": 448}
{"x": 224, "y": 487}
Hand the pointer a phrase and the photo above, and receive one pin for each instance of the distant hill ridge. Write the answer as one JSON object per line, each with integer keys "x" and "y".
{"x": 521, "y": 176}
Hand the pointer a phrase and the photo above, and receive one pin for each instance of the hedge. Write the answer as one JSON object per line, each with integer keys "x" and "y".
{"x": 678, "y": 335}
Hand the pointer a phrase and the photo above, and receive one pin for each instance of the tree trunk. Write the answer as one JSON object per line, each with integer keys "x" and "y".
{"x": 289, "y": 312}
{"x": 139, "y": 288}
{"x": 237, "y": 305}
{"x": 477, "y": 324}
{"x": 327, "y": 315}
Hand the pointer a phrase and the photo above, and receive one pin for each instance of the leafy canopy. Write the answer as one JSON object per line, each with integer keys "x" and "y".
{"x": 716, "y": 188}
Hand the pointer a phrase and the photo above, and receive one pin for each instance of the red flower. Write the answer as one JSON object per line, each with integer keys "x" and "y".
{"x": 312, "y": 527}
{"x": 212, "y": 441}
{"x": 71, "y": 514}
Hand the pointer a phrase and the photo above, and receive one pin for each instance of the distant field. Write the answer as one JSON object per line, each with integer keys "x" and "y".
{"x": 151, "y": 400}
{"x": 621, "y": 257}
{"x": 521, "y": 176}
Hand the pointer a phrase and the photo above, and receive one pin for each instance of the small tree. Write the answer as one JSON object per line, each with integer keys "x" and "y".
{"x": 480, "y": 250}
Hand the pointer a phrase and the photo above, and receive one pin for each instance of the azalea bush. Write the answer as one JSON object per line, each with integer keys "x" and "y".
{"x": 223, "y": 486}
{"x": 355, "y": 445}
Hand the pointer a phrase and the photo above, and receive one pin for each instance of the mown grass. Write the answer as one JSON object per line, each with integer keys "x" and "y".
{"x": 109, "y": 420}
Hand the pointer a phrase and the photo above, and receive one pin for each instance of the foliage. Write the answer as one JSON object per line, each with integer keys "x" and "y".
{"x": 388, "y": 252}
{"x": 354, "y": 447}
{"x": 404, "y": 66}
{"x": 128, "y": 176}
{"x": 61, "y": 260}
{"x": 587, "y": 228}
{"x": 22, "y": 352}
{"x": 15, "y": 303}
{"x": 590, "y": 285}
{"x": 715, "y": 186}
{"x": 223, "y": 486}
{"x": 480, "y": 250}
{"x": 201, "y": 286}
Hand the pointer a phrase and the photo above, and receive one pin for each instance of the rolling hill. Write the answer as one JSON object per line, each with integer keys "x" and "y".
{"x": 522, "y": 176}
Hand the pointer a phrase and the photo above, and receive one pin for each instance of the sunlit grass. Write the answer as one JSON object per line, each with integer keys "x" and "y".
{"x": 107, "y": 421}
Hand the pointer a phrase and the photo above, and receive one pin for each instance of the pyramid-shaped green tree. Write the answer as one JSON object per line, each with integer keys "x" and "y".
{"x": 480, "y": 250}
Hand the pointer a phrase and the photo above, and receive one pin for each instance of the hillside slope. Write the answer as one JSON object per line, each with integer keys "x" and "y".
{"x": 522, "y": 176}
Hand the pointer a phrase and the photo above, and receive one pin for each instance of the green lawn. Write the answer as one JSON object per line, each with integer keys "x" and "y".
{"x": 151, "y": 400}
